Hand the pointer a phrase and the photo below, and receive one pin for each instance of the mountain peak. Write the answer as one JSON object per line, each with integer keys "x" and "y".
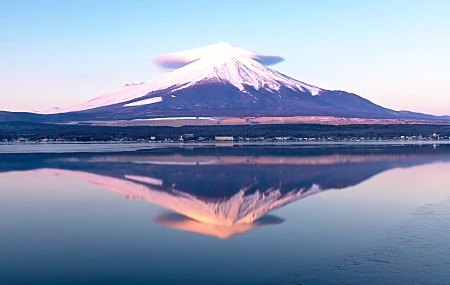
{"x": 236, "y": 70}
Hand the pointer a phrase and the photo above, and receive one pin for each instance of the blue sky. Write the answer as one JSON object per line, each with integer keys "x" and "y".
{"x": 59, "y": 53}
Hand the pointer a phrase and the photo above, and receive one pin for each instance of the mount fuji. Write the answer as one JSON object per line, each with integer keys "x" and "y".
{"x": 221, "y": 80}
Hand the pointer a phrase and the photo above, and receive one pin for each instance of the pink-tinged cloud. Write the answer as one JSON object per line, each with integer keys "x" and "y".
{"x": 180, "y": 59}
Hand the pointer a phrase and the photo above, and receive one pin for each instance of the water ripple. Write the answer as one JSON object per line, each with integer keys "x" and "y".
{"x": 414, "y": 252}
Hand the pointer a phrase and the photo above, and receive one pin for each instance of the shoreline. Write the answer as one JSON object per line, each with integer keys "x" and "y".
{"x": 88, "y": 147}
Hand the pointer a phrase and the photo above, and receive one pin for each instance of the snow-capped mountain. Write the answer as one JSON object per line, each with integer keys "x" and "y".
{"x": 240, "y": 73}
{"x": 224, "y": 64}
{"x": 220, "y": 80}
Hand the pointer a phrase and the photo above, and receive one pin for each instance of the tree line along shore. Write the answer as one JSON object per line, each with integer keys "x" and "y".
{"x": 25, "y": 131}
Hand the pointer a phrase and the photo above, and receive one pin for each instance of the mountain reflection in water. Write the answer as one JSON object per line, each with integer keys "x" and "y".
{"x": 226, "y": 191}
{"x": 180, "y": 222}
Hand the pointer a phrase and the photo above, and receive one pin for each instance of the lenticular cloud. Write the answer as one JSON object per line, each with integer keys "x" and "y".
{"x": 180, "y": 59}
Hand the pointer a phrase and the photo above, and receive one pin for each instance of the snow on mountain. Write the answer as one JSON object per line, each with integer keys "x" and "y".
{"x": 52, "y": 110}
{"x": 237, "y": 71}
{"x": 223, "y": 63}
{"x": 144, "y": 102}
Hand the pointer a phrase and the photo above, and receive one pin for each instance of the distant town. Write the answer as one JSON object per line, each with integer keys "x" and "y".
{"x": 193, "y": 138}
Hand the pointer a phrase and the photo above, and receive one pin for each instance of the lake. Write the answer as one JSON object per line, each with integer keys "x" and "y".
{"x": 243, "y": 214}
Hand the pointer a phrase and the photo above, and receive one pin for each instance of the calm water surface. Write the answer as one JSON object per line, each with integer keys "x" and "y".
{"x": 227, "y": 215}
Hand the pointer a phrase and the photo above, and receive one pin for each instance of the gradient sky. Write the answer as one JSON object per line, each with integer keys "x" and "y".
{"x": 60, "y": 53}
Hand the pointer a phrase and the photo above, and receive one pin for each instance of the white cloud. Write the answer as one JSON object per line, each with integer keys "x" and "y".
{"x": 180, "y": 59}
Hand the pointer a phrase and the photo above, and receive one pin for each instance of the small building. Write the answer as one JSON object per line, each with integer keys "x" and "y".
{"x": 187, "y": 136}
{"x": 224, "y": 138}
